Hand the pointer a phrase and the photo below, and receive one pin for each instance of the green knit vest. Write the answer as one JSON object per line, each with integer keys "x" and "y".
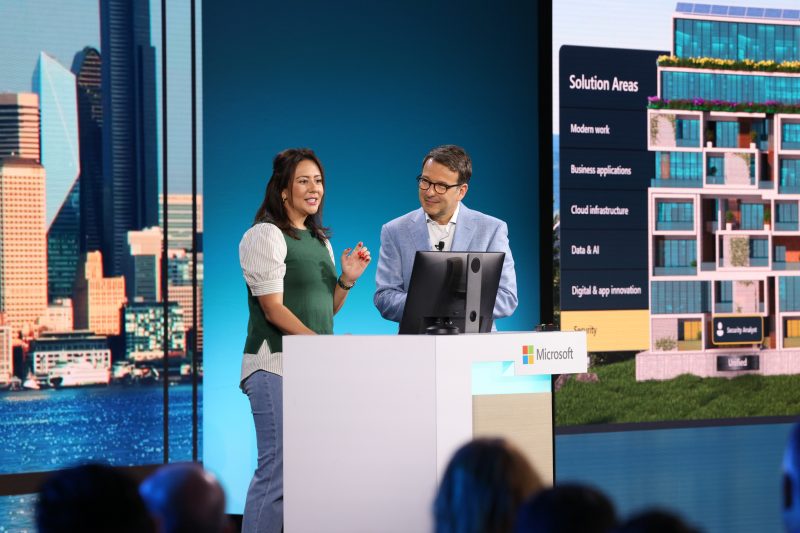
{"x": 308, "y": 288}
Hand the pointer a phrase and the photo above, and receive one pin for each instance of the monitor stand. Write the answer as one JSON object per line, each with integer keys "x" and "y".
{"x": 442, "y": 327}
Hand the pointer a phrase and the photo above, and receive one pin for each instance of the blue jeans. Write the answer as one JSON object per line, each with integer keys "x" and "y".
{"x": 263, "y": 509}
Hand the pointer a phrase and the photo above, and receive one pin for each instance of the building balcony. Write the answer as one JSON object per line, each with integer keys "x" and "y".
{"x": 708, "y": 266}
{"x": 723, "y": 307}
{"x": 732, "y": 167}
{"x": 748, "y": 262}
{"x": 785, "y": 265}
{"x": 740, "y": 251}
{"x": 675, "y": 271}
{"x": 786, "y": 226}
{"x": 670, "y": 129}
{"x": 674, "y": 226}
{"x": 789, "y": 189}
{"x": 727, "y": 308}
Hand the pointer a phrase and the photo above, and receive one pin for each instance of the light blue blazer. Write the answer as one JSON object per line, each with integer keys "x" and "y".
{"x": 402, "y": 237}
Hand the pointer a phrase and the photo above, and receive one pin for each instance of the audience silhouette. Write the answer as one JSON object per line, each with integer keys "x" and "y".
{"x": 656, "y": 521}
{"x": 185, "y": 498}
{"x": 569, "y": 508}
{"x": 483, "y": 486}
{"x": 91, "y": 498}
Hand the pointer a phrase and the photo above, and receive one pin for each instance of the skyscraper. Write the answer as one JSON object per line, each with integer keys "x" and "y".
{"x": 23, "y": 248}
{"x": 144, "y": 331}
{"x": 86, "y": 67}
{"x": 143, "y": 271}
{"x": 6, "y": 355}
{"x": 179, "y": 280}
{"x": 98, "y": 300}
{"x": 179, "y": 229}
{"x": 19, "y": 125}
{"x": 63, "y": 240}
{"x": 130, "y": 149}
{"x": 58, "y": 104}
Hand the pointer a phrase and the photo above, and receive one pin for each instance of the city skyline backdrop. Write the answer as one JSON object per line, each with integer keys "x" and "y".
{"x": 63, "y": 29}
{"x": 80, "y": 180}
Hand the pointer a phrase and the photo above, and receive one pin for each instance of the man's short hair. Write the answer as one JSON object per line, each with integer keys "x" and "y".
{"x": 453, "y": 157}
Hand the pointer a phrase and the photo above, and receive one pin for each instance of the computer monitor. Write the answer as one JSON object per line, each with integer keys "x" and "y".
{"x": 452, "y": 292}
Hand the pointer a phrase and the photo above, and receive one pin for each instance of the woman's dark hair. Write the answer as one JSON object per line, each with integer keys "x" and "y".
{"x": 272, "y": 209}
{"x": 483, "y": 487}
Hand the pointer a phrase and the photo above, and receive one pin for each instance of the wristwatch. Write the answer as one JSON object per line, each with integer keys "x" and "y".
{"x": 340, "y": 283}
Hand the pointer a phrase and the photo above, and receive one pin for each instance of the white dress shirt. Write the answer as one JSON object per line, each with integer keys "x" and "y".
{"x": 442, "y": 233}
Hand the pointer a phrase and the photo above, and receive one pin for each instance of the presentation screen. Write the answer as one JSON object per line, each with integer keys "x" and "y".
{"x": 676, "y": 138}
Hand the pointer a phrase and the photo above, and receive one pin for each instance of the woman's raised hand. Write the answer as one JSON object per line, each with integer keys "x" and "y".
{"x": 354, "y": 262}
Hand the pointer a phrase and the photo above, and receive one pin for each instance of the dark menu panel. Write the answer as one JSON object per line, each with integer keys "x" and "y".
{"x": 590, "y": 290}
{"x": 605, "y": 170}
{"x": 594, "y": 169}
{"x": 603, "y": 209}
{"x": 602, "y": 250}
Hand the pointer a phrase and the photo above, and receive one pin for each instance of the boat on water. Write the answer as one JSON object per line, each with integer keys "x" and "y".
{"x": 78, "y": 374}
{"x": 31, "y": 383}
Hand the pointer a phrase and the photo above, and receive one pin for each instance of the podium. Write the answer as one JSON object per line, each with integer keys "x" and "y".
{"x": 370, "y": 422}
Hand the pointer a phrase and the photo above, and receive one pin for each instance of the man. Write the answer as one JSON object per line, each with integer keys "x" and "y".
{"x": 442, "y": 223}
{"x": 91, "y": 497}
{"x": 184, "y": 497}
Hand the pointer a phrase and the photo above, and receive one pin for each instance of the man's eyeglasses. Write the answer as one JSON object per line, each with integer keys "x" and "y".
{"x": 439, "y": 188}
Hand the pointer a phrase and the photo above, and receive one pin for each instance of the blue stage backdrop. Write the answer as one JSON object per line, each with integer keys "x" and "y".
{"x": 370, "y": 86}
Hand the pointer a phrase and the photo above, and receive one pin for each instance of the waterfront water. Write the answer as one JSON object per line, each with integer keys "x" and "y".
{"x": 119, "y": 425}
{"x": 16, "y": 513}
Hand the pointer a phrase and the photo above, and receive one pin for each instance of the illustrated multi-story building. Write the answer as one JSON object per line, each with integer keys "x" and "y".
{"x": 23, "y": 247}
{"x": 58, "y": 103}
{"x": 98, "y": 300}
{"x": 723, "y": 227}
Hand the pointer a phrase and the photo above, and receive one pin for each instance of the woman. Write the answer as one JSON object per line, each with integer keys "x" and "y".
{"x": 292, "y": 289}
{"x": 483, "y": 487}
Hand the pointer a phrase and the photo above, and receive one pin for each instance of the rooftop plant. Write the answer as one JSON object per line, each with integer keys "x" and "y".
{"x": 700, "y": 104}
{"x": 728, "y": 64}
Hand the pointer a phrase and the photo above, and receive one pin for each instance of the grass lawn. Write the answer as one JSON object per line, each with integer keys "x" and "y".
{"x": 618, "y": 397}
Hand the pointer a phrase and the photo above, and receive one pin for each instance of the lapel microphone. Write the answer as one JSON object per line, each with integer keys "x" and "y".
{"x": 440, "y": 246}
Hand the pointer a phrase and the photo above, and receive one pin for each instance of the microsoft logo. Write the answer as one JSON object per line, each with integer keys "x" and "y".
{"x": 527, "y": 354}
